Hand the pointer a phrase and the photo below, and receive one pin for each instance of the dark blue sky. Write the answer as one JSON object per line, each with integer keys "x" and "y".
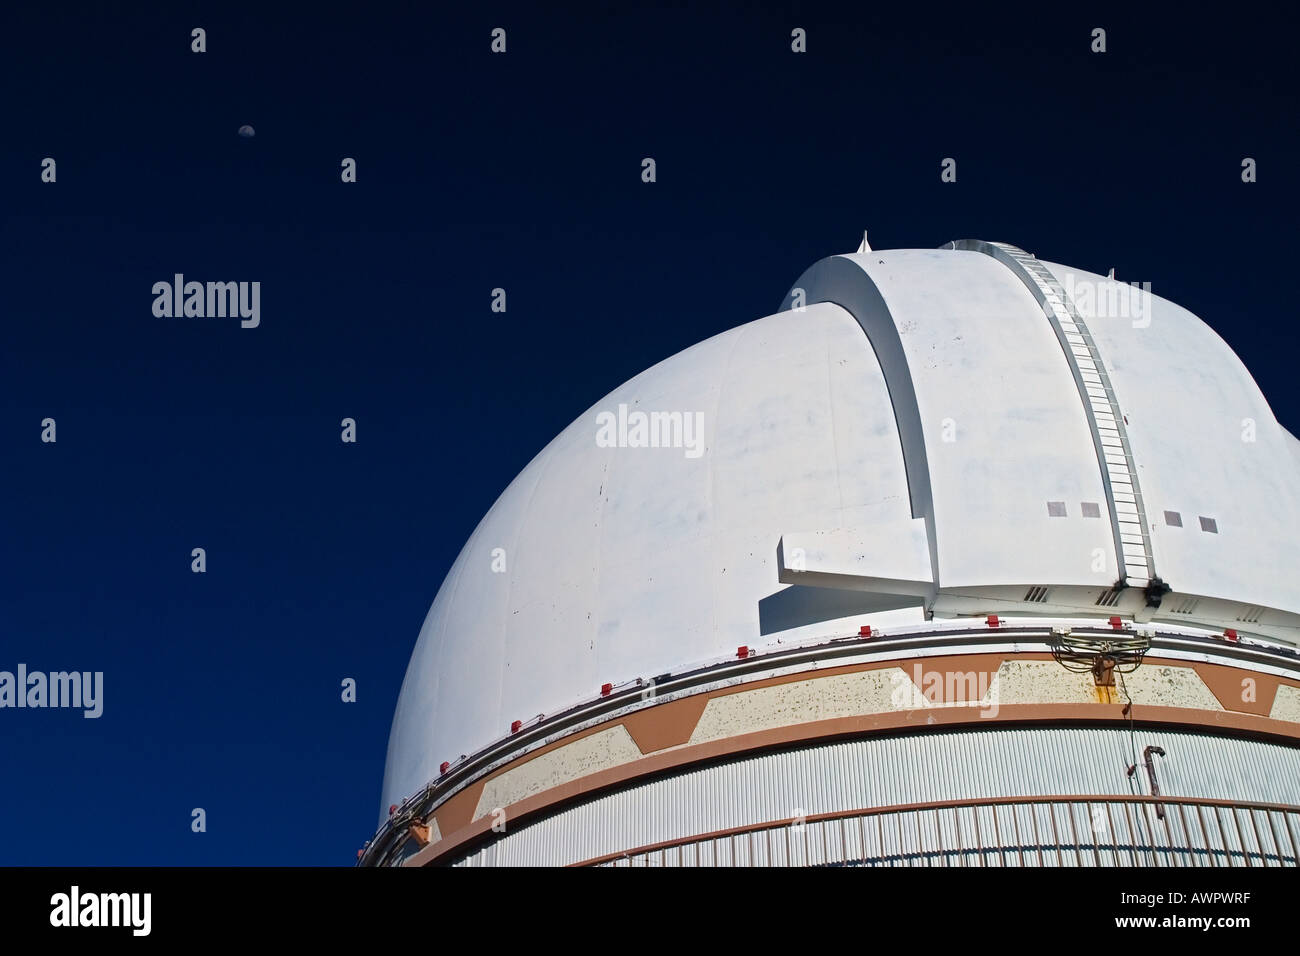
{"x": 521, "y": 171}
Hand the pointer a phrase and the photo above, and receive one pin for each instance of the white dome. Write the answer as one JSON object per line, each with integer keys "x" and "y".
{"x": 894, "y": 474}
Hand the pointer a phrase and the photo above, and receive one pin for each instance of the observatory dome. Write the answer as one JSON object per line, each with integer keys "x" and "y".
{"x": 916, "y": 435}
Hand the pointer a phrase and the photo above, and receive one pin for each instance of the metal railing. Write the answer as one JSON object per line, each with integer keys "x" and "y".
{"x": 1052, "y": 831}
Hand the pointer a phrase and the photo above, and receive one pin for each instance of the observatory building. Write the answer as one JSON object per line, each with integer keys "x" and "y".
{"x": 960, "y": 558}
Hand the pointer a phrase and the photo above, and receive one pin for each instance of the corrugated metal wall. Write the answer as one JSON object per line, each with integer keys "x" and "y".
{"x": 1096, "y": 832}
{"x": 883, "y": 771}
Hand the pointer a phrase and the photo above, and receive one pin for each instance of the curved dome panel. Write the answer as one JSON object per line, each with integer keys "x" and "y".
{"x": 1002, "y": 428}
{"x": 1206, "y": 445}
{"x": 623, "y": 561}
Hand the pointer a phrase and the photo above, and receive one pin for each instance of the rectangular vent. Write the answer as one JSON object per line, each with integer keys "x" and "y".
{"x": 1251, "y": 615}
{"x": 1036, "y": 595}
{"x": 1108, "y": 598}
{"x": 1185, "y": 605}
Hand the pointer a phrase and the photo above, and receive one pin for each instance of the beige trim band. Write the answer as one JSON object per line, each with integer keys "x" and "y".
{"x": 849, "y": 700}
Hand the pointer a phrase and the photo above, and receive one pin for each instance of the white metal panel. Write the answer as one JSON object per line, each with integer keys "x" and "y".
{"x": 1190, "y": 403}
{"x": 982, "y": 355}
{"x": 1105, "y": 418}
{"x": 970, "y": 358}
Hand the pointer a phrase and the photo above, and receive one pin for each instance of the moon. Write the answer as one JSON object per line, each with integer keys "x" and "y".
{"x": 247, "y": 132}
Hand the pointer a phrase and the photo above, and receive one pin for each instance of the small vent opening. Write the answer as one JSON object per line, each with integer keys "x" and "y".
{"x": 1036, "y": 595}
{"x": 1108, "y": 598}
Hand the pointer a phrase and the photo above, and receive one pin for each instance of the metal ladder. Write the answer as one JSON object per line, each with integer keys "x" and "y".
{"x": 1110, "y": 437}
